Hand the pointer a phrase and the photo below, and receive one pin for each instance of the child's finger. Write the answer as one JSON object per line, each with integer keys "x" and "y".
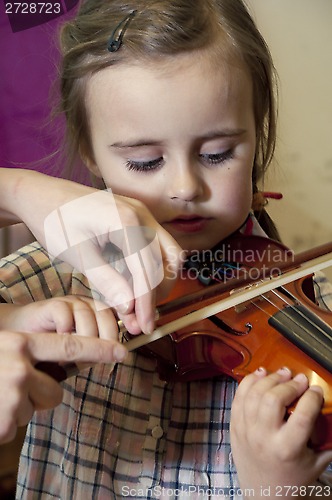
{"x": 255, "y": 391}
{"x": 85, "y": 318}
{"x": 249, "y": 380}
{"x": 239, "y": 410}
{"x": 83, "y": 315}
{"x": 94, "y": 321}
{"x": 16, "y": 407}
{"x": 303, "y": 417}
{"x": 11, "y": 420}
{"x": 54, "y": 315}
{"x": 107, "y": 325}
{"x": 275, "y": 401}
{"x": 69, "y": 314}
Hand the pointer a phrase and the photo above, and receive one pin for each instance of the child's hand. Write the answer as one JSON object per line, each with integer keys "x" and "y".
{"x": 24, "y": 389}
{"x": 62, "y": 315}
{"x": 269, "y": 451}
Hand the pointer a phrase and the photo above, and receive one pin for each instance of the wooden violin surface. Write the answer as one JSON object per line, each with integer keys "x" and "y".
{"x": 284, "y": 327}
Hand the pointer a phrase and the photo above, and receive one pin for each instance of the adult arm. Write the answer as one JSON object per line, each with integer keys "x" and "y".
{"x": 78, "y": 223}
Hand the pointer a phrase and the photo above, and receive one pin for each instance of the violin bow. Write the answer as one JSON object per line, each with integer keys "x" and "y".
{"x": 238, "y": 296}
{"x": 302, "y": 264}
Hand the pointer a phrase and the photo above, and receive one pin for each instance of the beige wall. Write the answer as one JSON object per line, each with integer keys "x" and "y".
{"x": 299, "y": 34}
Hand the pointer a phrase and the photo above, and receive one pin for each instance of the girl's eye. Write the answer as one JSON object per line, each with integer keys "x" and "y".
{"x": 217, "y": 158}
{"x": 144, "y": 166}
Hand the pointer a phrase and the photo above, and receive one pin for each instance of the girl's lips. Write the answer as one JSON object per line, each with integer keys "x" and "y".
{"x": 188, "y": 224}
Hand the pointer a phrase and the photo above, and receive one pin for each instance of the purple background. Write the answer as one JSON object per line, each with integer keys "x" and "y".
{"x": 28, "y": 76}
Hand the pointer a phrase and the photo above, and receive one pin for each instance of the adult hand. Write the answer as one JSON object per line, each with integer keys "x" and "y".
{"x": 115, "y": 241}
{"x": 126, "y": 255}
{"x": 24, "y": 389}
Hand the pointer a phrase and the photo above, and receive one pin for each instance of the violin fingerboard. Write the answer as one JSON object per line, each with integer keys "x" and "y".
{"x": 308, "y": 332}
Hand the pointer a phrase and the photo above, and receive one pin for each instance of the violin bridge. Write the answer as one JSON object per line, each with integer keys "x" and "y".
{"x": 246, "y": 303}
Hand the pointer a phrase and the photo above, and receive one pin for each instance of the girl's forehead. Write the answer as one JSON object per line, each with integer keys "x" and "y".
{"x": 172, "y": 70}
{"x": 191, "y": 98}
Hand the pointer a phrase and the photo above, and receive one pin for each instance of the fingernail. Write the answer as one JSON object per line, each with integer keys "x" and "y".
{"x": 300, "y": 377}
{"x": 260, "y": 371}
{"x": 121, "y": 303}
{"x": 149, "y": 328}
{"x": 120, "y": 352}
{"x": 284, "y": 370}
{"x": 317, "y": 388}
{"x": 122, "y": 308}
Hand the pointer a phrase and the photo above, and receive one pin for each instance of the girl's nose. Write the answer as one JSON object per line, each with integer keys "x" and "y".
{"x": 185, "y": 184}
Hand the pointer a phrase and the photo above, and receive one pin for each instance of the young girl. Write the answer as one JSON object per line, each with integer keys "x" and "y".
{"x": 171, "y": 105}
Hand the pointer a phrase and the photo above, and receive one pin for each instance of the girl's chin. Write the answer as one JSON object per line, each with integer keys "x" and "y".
{"x": 198, "y": 243}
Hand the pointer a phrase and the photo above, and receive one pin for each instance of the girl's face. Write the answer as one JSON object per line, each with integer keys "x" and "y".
{"x": 180, "y": 138}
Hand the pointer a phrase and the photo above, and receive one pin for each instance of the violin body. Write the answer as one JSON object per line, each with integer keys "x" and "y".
{"x": 286, "y": 328}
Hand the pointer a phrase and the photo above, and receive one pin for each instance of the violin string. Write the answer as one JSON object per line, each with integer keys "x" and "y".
{"x": 303, "y": 315}
{"x": 309, "y": 332}
{"x": 292, "y": 306}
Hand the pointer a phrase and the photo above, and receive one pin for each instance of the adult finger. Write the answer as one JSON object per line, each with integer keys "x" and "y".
{"x": 167, "y": 265}
{"x": 16, "y": 407}
{"x": 74, "y": 348}
{"x": 111, "y": 287}
{"x": 173, "y": 258}
{"x": 44, "y": 392}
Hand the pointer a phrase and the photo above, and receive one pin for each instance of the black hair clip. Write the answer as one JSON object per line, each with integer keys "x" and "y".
{"x": 116, "y": 38}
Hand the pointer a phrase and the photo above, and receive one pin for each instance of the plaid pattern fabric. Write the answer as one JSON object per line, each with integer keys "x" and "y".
{"x": 28, "y": 275}
{"x": 125, "y": 433}
{"x": 121, "y": 431}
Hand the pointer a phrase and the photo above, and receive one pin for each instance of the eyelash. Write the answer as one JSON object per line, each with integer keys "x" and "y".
{"x": 152, "y": 165}
{"x": 144, "y": 166}
{"x": 217, "y": 158}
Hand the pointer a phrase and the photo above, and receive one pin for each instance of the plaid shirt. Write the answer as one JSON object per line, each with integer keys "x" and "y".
{"x": 121, "y": 431}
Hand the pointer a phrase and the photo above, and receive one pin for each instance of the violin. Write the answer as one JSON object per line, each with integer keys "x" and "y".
{"x": 281, "y": 327}
{"x": 250, "y": 303}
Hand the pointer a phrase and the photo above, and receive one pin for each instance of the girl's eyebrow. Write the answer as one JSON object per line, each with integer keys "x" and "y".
{"x": 135, "y": 144}
{"x": 229, "y": 132}
{"x": 215, "y": 134}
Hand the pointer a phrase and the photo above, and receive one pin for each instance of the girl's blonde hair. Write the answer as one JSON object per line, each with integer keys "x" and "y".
{"x": 164, "y": 28}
